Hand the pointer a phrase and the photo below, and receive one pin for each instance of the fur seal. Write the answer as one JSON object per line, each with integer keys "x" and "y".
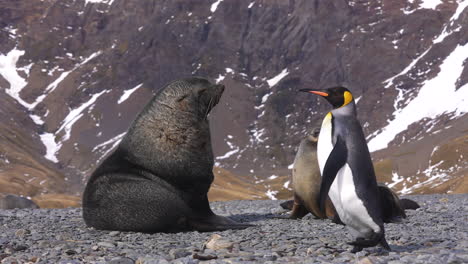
{"x": 158, "y": 177}
{"x": 306, "y": 181}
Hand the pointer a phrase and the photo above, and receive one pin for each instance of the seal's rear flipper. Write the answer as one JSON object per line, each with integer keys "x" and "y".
{"x": 215, "y": 223}
{"x": 409, "y": 204}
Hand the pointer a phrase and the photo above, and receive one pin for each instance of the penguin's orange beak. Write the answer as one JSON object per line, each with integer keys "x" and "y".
{"x": 317, "y": 92}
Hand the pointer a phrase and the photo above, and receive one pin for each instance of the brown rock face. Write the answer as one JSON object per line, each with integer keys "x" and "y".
{"x": 89, "y": 68}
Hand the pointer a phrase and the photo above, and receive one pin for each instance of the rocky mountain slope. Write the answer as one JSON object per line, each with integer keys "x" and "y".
{"x": 74, "y": 74}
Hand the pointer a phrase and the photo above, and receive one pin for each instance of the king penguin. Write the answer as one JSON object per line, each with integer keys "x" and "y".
{"x": 348, "y": 176}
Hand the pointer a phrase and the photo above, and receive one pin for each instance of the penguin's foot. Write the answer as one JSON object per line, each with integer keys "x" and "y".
{"x": 384, "y": 244}
{"x": 361, "y": 243}
{"x": 356, "y": 249}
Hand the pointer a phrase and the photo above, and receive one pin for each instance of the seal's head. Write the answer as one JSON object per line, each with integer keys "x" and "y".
{"x": 194, "y": 95}
{"x": 313, "y": 136}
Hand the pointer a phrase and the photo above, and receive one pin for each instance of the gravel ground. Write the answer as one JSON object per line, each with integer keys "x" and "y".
{"x": 435, "y": 233}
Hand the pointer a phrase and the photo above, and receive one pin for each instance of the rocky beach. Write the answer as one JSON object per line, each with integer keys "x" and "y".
{"x": 434, "y": 233}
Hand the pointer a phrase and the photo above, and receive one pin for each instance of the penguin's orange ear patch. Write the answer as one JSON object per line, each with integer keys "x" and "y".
{"x": 319, "y": 93}
{"x": 348, "y": 97}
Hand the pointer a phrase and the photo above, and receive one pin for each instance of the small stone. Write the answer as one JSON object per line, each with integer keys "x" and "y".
{"x": 365, "y": 260}
{"x": 95, "y": 248}
{"x": 179, "y": 253}
{"x": 22, "y": 232}
{"x": 217, "y": 242}
{"x": 70, "y": 252}
{"x": 444, "y": 200}
{"x": 204, "y": 256}
{"x": 114, "y": 233}
{"x": 151, "y": 260}
{"x": 270, "y": 257}
{"x": 106, "y": 244}
{"x": 123, "y": 260}
{"x": 10, "y": 260}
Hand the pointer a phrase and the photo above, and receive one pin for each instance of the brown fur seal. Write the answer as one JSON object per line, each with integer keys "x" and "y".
{"x": 306, "y": 181}
{"x": 158, "y": 177}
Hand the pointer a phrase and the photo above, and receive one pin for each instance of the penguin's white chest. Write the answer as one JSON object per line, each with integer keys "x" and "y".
{"x": 342, "y": 192}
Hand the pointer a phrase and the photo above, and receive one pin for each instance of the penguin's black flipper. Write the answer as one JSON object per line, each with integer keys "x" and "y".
{"x": 336, "y": 160}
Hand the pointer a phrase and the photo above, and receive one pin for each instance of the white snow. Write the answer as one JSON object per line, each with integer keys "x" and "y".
{"x": 108, "y": 2}
{"x": 51, "y": 87}
{"x": 273, "y": 81}
{"x": 272, "y": 177}
{"x": 51, "y": 146}
{"x": 357, "y": 99}
{"x": 429, "y": 4}
{"x": 286, "y": 184}
{"x": 114, "y": 141}
{"x": 75, "y": 115}
{"x": 403, "y": 72}
{"x": 437, "y": 96}
{"x": 395, "y": 179}
{"x": 220, "y": 78}
{"x": 127, "y": 93}
{"x": 10, "y": 73}
{"x": 37, "y": 119}
{"x": 265, "y": 97}
{"x": 228, "y": 154}
{"x": 271, "y": 194}
{"x": 214, "y": 6}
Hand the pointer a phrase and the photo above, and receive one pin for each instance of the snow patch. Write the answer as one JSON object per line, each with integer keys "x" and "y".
{"x": 271, "y": 194}
{"x": 214, "y": 6}
{"x": 429, "y": 4}
{"x": 430, "y": 101}
{"x": 395, "y": 179}
{"x": 108, "y": 2}
{"x": 273, "y": 81}
{"x": 10, "y": 73}
{"x": 75, "y": 115}
{"x": 228, "y": 154}
{"x": 127, "y": 93}
{"x": 48, "y": 139}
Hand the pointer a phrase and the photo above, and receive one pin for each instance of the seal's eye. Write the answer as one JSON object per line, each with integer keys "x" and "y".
{"x": 182, "y": 97}
{"x": 201, "y": 92}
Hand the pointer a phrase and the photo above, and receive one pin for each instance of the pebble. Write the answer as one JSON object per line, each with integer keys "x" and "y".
{"x": 428, "y": 235}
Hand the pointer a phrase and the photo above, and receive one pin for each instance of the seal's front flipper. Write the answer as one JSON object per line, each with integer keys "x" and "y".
{"x": 215, "y": 223}
{"x": 298, "y": 210}
{"x": 288, "y": 205}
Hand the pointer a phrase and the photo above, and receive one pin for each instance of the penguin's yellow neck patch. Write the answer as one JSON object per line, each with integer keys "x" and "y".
{"x": 348, "y": 97}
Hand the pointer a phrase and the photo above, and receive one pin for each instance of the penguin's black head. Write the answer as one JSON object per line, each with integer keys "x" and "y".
{"x": 337, "y": 96}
